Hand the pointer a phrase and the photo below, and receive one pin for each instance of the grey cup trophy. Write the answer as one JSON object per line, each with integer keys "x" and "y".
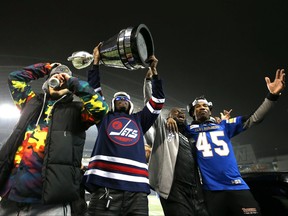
{"x": 129, "y": 49}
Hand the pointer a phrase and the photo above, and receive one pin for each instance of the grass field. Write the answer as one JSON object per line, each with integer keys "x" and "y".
{"x": 155, "y": 208}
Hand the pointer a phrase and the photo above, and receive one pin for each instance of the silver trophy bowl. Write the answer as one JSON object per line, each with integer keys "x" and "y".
{"x": 129, "y": 49}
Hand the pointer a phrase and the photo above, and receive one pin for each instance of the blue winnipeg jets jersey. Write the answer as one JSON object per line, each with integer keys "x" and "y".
{"x": 215, "y": 155}
{"x": 118, "y": 159}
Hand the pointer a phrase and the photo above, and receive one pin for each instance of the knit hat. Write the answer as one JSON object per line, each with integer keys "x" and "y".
{"x": 60, "y": 69}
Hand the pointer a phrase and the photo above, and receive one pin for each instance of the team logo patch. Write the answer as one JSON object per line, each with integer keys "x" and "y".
{"x": 123, "y": 131}
{"x": 232, "y": 120}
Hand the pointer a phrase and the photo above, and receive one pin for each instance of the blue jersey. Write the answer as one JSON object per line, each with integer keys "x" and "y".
{"x": 118, "y": 159}
{"x": 215, "y": 155}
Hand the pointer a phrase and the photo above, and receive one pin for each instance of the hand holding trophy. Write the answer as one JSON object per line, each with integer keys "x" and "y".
{"x": 130, "y": 49}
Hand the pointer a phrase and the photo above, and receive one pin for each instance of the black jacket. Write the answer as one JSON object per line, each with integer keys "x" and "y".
{"x": 63, "y": 151}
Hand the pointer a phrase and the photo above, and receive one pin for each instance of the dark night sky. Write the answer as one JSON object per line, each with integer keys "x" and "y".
{"x": 222, "y": 49}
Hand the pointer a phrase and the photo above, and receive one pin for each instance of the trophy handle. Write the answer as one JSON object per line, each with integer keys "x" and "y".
{"x": 81, "y": 59}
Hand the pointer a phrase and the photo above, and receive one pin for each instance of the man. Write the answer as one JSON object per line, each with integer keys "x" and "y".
{"x": 173, "y": 173}
{"x": 40, "y": 164}
{"x": 117, "y": 174}
{"x": 225, "y": 191}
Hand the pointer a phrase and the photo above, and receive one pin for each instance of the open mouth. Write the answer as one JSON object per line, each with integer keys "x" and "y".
{"x": 181, "y": 117}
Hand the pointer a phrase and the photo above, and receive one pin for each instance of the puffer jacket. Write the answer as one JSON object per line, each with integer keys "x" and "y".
{"x": 63, "y": 152}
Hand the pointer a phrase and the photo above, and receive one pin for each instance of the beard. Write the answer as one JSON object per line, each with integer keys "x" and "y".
{"x": 122, "y": 109}
{"x": 203, "y": 118}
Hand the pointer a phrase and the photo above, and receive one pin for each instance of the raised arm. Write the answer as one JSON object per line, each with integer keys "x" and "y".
{"x": 155, "y": 102}
{"x": 19, "y": 82}
{"x": 151, "y": 74}
{"x": 94, "y": 73}
{"x": 275, "y": 88}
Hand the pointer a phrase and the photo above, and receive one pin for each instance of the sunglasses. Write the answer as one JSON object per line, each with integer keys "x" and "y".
{"x": 122, "y": 98}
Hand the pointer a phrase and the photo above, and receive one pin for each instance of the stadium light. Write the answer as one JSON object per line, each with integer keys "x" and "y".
{"x": 8, "y": 111}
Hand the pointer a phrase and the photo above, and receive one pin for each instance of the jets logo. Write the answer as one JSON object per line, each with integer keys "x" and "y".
{"x": 123, "y": 131}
